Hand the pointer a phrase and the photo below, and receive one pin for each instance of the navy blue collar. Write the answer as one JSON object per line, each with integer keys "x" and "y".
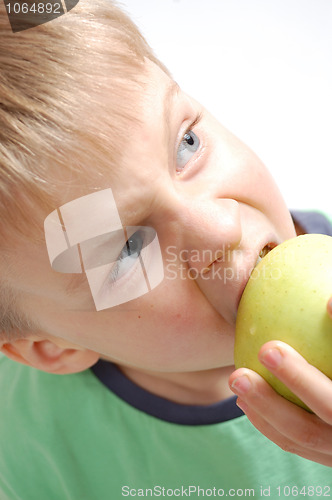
{"x": 110, "y": 375}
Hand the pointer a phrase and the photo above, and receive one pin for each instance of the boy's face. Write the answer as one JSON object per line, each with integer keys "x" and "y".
{"x": 208, "y": 197}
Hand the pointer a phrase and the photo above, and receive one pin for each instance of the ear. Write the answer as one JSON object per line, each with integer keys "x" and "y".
{"x": 48, "y": 356}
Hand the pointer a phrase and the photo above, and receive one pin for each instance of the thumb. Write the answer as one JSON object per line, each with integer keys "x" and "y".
{"x": 329, "y": 306}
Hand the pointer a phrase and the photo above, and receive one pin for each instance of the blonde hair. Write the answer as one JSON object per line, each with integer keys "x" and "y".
{"x": 53, "y": 121}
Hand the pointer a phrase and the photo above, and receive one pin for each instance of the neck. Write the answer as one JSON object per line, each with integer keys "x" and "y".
{"x": 192, "y": 388}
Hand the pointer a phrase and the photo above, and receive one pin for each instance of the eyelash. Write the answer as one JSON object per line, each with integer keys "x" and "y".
{"x": 113, "y": 276}
{"x": 197, "y": 120}
{"x": 190, "y": 128}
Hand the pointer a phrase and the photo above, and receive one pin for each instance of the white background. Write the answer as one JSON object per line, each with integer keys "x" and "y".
{"x": 264, "y": 69}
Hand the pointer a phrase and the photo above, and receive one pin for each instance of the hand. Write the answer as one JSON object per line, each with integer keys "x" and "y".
{"x": 294, "y": 429}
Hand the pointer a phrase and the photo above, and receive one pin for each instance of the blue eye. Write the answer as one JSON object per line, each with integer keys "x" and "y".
{"x": 128, "y": 255}
{"x": 187, "y": 148}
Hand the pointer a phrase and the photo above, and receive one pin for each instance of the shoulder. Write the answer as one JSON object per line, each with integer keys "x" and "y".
{"x": 313, "y": 221}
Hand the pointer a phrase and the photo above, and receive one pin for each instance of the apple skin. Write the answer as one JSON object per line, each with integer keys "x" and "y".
{"x": 285, "y": 299}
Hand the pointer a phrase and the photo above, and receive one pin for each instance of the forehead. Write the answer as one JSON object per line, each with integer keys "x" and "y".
{"x": 122, "y": 199}
{"x": 129, "y": 175}
{"x": 147, "y": 143}
{"x": 28, "y": 266}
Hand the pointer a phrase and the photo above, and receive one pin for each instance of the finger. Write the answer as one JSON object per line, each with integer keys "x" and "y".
{"x": 281, "y": 440}
{"x": 303, "y": 379}
{"x": 294, "y": 424}
{"x": 329, "y": 307}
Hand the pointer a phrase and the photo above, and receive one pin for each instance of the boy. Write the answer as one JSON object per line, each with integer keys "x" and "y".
{"x": 93, "y": 130}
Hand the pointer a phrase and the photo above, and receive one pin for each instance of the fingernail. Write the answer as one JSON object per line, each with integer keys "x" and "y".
{"x": 241, "y": 385}
{"x": 271, "y": 358}
{"x": 329, "y": 306}
{"x": 242, "y": 405}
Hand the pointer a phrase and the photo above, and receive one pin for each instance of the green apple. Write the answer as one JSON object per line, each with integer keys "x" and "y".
{"x": 285, "y": 299}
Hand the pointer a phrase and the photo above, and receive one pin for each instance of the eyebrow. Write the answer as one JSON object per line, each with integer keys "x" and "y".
{"x": 172, "y": 89}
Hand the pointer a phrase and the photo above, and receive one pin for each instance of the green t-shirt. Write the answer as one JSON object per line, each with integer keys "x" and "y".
{"x": 68, "y": 437}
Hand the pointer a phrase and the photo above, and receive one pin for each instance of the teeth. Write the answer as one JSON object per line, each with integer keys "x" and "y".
{"x": 262, "y": 253}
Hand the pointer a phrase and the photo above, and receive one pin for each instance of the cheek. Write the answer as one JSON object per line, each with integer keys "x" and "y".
{"x": 177, "y": 306}
{"x": 185, "y": 336}
{"x": 178, "y": 317}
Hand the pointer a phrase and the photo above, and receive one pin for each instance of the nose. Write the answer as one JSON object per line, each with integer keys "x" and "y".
{"x": 211, "y": 230}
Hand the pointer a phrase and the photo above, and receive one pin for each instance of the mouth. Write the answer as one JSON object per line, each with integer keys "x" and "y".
{"x": 265, "y": 250}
